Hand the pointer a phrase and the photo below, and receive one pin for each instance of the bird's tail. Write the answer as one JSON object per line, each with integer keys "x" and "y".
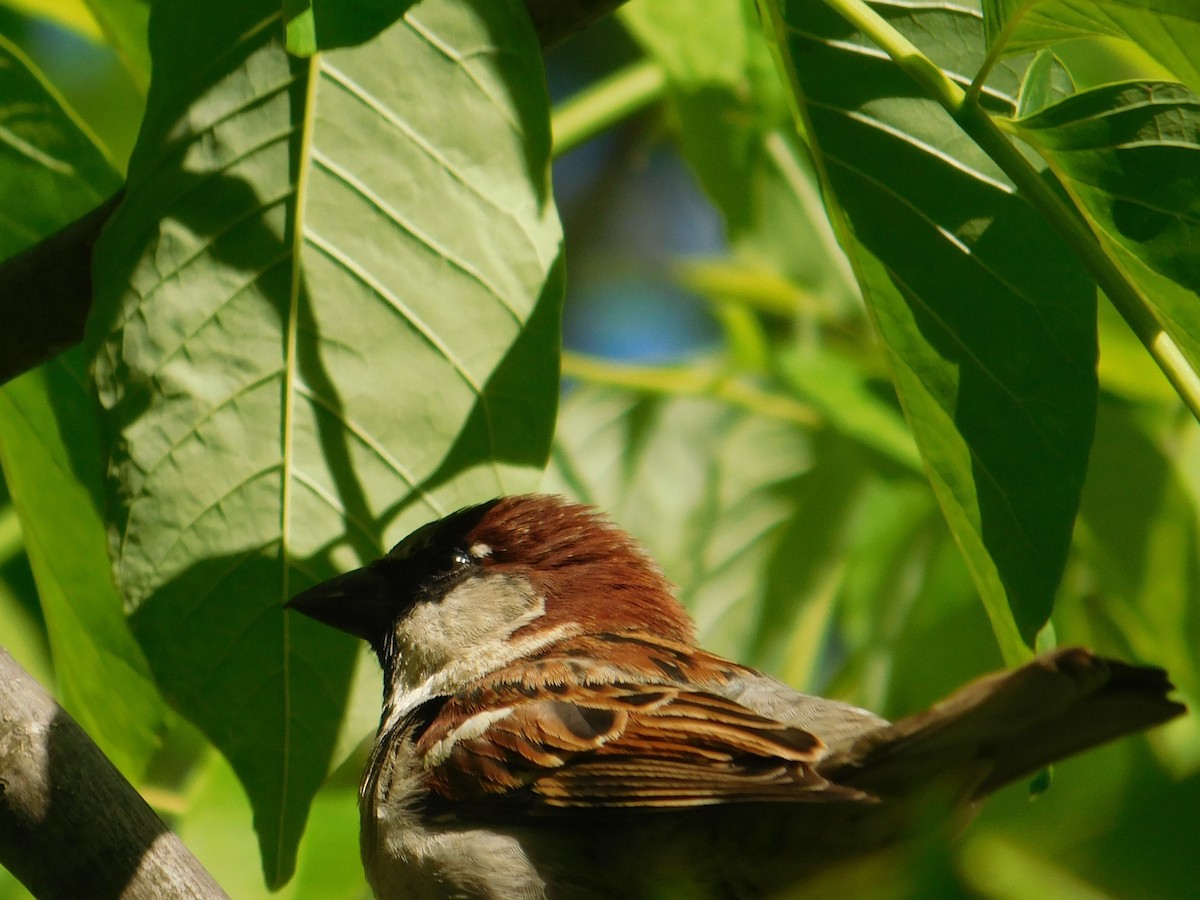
{"x": 1008, "y": 725}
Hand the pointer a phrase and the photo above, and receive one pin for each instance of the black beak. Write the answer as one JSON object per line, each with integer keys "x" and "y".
{"x": 363, "y": 603}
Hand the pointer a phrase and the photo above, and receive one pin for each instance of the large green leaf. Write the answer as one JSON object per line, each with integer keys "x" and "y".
{"x": 1167, "y": 30}
{"x": 1129, "y": 154}
{"x": 49, "y": 448}
{"x": 327, "y": 312}
{"x": 988, "y": 320}
{"x": 50, "y": 172}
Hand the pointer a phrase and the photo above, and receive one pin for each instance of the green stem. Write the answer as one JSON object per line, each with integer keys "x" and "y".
{"x": 996, "y": 52}
{"x": 690, "y": 382}
{"x": 607, "y": 101}
{"x": 762, "y": 290}
{"x": 983, "y": 129}
{"x": 919, "y": 67}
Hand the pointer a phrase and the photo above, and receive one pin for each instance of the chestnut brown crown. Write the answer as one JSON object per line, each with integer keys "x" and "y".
{"x": 588, "y": 572}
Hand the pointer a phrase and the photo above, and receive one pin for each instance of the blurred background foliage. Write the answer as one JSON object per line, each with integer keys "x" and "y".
{"x": 725, "y": 398}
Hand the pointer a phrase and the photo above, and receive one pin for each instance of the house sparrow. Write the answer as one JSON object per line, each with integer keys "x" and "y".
{"x": 550, "y": 727}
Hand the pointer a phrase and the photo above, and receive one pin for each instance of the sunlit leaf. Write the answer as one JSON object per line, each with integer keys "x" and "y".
{"x": 327, "y": 312}
{"x": 1046, "y": 81}
{"x": 300, "y": 27}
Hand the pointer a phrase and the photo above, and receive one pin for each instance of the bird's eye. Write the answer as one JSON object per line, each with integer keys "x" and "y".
{"x": 455, "y": 563}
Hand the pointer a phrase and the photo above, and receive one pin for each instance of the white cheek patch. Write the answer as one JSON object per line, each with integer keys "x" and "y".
{"x": 476, "y": 613}
{"x": 444, "y": 644}
{"x": 472, "y": 728}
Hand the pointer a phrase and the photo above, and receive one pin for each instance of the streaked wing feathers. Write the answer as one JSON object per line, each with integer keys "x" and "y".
{"x": 618, "y": 745}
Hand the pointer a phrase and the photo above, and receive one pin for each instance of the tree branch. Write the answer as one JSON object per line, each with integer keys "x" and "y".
{"x": 70, "y": 824}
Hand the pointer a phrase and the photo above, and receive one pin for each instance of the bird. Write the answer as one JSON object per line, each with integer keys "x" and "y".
{"x": 551, "y": 728}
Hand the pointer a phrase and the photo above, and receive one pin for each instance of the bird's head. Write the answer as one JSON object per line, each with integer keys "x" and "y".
{"x": 485, "y": 585}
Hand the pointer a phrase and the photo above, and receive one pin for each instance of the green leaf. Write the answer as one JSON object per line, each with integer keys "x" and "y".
{"x": 314, "y": 25}
{"x": 51, "y": 167}
{"x": 215, "y": 828}
{"x": 1002, "y": 869}
{"x": 1046, "y": 82}
{"x": 1167, "y": 30}
{"x": 696, "y": 50}
{"x": 988, "y": 320}
{"x": 49, "y": 448}
{"x": 124, "y": 23}
{"x": 997, "y": 14}
{"x": 895, "y": 540}
{"x": 327, "y": 312}
{"x": 1129, "y": 155}
{"x": 300, "y": 26}
{"x": 50, "y": 172}
{"x": 22, "y": 631}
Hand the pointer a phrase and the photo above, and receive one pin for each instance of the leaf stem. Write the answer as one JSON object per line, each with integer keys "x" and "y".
{"x": 606, "y": 102}
{"x": 688, "y": 381}
{"x": 1134, "y": 308}
{"x": 919, "y": 67}
{"x": 995, "y": 51}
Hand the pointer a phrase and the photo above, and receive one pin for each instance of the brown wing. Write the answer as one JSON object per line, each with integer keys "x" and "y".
{"x": 620, "y": 746}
